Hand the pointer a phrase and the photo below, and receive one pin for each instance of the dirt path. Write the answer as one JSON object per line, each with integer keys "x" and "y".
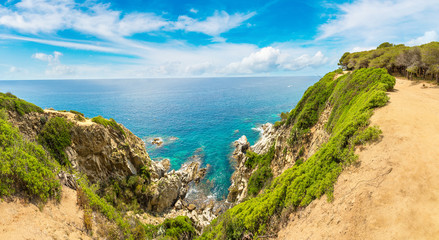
{"x": 19, "y": 220}
{"x": 393, "y": 193}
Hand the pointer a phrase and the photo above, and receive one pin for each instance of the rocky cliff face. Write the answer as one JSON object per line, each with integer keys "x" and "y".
{"x": 104, "y": 153}
{"x": 285, "y": 155}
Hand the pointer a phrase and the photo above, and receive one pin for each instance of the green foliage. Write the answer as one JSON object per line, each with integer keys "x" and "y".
{"x": 129, "y": 194}
{"x": 179, "y": 228}
{"x": 108, "y": 123}
{"x": 261, "y": 176}
{"x": 370, "y": 134}
{"x": 77, "y": 113}
{"x": 25, "y": 167}
{"x": 55, "y": 137}
{"x": 12, "y": 103}
{"x": 99, "y": 204}
{"x": 259, "y": 179}
{"x": 307, "y": 111}
{"x": 352, "y": 97}
{"x": 385, "y": 45}
{"x": 419, "y": 61}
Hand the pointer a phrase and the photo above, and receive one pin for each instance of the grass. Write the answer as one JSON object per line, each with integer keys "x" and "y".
{"x": 25, "y": 167}
{"x": 108, "y": 123}
{"x": 12, "y": 103}
{"x": 55, "y": 137}
{"x": 353, "y": 98}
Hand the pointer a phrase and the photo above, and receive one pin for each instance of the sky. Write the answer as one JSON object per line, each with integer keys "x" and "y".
{"x": 97, "y": 39}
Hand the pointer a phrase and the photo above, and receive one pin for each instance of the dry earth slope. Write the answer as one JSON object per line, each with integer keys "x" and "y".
{"x": 393, "y": 191}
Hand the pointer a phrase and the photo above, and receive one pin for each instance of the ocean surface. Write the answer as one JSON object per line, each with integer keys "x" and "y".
{"x": 197, "y": 118}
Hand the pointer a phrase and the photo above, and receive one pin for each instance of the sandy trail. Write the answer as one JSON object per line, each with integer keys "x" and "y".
{"x": 393, "y": 192}
{"x": 19, "y": 220}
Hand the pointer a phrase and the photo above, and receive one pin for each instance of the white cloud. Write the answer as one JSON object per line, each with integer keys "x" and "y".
{"x": 271, "y": 59}
{"x": 220, "y": 22}
{"x": 193, "y": 10}
{"x": 264, "y": 60}
{"x": 371, "y": 21}
{"x": 63, "y": 43}
{"x": 54, "y": 66}
{"x": 426, "y": 38}
{"x": 360, "y": 49}
{"x": 97, "y": 19}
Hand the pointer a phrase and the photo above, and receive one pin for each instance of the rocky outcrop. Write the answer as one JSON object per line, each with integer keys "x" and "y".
{"x": 173, "y": 186}
{"x": 97, "y": 151}
{"x": 285, "y": 155}
{"x": 104, "y": 153}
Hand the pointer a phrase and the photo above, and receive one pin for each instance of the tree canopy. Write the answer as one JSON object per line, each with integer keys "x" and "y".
{"x": 412, "y": 62}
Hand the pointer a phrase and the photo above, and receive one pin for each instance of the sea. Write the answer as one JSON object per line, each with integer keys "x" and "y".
{"x": 197, "y": 118}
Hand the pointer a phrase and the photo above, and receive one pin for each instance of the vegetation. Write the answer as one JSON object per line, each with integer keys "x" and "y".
{"x": 129, "y": 194}
{"x": 24, "y": 166}
{"x": 412, "y": 62}
{"x": 12, "y": 103}
{"x": 352, "y": 98}
{"x": 177, "y": 228}
{"x": 55, "y": 137}
{"x": 263, "y": 174}
{"x": 78, "y": 115}
{"x": 108, "y": 123}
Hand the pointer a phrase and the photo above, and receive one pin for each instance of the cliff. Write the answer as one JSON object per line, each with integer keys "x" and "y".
{"x": 299, "y": 158}
{"x": 106, "y": 153}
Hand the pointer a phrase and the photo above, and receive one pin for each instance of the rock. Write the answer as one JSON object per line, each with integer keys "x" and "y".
{"x": 99, "y": 152}
{"x": 158, "y": 169}
{"x": 267, "y": 138}
{"x": 68, "y": 180}
{"x": 174, "y": 185}
{"x": 191, "y": 207}
{"x": 157, "y": 141}
{"x": 178, "y": 205}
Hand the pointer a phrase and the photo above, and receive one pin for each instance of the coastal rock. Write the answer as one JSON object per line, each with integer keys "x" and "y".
{"x": 191, "y": 207}
{"x": 240, "y": 177}
{"x": 99, "y": 152}
{"x": 159, "y": 168}
{"x": 285, "y": 155}
{"x": 166, "y": 191}
{"x": 157, "y": 141}
{"x": 268, "y": 134}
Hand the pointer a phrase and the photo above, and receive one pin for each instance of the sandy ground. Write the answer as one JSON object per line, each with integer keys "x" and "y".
{"x": 393, "y": 192}
{"x": 70, "y": 116}
{"x": 19, "y": 220}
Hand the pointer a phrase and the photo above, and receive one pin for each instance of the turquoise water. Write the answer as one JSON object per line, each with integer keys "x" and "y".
{"x": 199, "y": 117}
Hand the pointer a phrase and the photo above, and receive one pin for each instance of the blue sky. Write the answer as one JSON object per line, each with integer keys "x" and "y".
{"x": 75, "y": 39}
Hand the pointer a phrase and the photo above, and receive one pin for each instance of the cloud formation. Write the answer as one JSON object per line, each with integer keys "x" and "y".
{"x": 376, "y": 20}
{"x": 271, "y": 59}
{"x": 426, "y": 38}
{"x": 97, "y": 19}
{"x": 54, "y": 66}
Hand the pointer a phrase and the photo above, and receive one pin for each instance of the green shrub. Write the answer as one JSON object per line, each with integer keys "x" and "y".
{"x": 77, "y": 113}
{"x": 352, "y": 97}
{"x": 12, "y": 103}
{"x": 371, "y": 134}
{"x": 258, "y": 180}
{"x": 25, "y": 167}
{"x": 179, "y": 228}
{"x": 55, "y": 137}
{"x": 108, "y": 123}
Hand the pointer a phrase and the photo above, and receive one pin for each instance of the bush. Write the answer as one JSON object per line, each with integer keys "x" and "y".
{"x": 179, "y": 228}
{"x": 108, "y": 123}
{"x": 12, "y": 103}
{"x": 55, "y": 137}
{"x": 25, "y": 167}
